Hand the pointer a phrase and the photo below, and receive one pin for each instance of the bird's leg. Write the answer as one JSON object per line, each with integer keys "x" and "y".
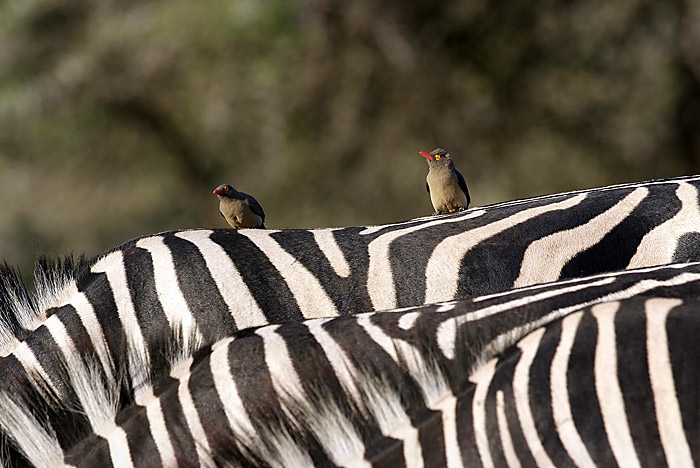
{"x": 438, "y": 212}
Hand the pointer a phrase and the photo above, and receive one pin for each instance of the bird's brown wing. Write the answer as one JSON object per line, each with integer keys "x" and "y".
{"x": 463, "y": 186}
{"x": 255, "y": 207}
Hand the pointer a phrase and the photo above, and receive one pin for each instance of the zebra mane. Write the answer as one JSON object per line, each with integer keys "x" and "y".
{"x": 22, "y": 311}
{"x": 317, "y": 420}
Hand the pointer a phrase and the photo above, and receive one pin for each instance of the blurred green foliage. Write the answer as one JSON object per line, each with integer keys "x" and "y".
{"x": 118, "y": 119}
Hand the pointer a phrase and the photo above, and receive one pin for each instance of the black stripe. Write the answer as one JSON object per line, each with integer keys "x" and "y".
{"x": 494, "y": 264}
{"x": 465, "y": 427}
{"x": 617, "y": 247}
{"x": 91, "y": 452}
{"x": 315, "y": 372}
{"x": 211, "y": 313}
{"x": 348, "y": 294}
{"x": 387, "y": 452}
{"x": 502, "y": 380}
{"x": 211, "y": 411}
{"x": 635, "y": 386}
{"x": 514, "y": 428}
{"x": 540, "y": 396}
{"x": 147, "y": 307}
{"x": 683, "y": 329}
{"x": 376, "y": 365}
{"x": 254, "y": 383}
{"x": 432, "y": 439}
{"x": 687, "y": 248}
{"x": 21, "y": 388}
{"x": 583, "y": 399}
{"x": 264, "y": 281}
{"x": 142, "y": 446}
{"x": 184, "y": 445}
{"x": 99, "y": 294}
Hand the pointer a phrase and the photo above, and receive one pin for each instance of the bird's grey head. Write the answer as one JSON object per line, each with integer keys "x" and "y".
{"x": 438, "y": 158}
{"x": 227, "y": 191}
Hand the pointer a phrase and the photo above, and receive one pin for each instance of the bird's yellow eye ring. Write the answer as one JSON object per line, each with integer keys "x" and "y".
{"x": 437, "y": 157}
{"x": 226, "y": 188}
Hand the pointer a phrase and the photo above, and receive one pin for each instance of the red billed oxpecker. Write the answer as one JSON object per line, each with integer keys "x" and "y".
{"x": 239, "y": 209}
{"x": 446, "y": 186}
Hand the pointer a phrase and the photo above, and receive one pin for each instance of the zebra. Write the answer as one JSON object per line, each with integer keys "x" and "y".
{"x": 211, "y": 282}
{"x": 125, "y": 305}
{"x": 414, "y": 386}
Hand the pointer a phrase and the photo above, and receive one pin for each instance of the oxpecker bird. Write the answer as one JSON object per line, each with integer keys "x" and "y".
{"x": 239, "y": 209}
{"x": 446, "y": 186}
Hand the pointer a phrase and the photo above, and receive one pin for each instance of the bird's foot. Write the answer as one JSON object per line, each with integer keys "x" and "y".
{"x": 462, "y": 208}
{"x": 437, "y": 213}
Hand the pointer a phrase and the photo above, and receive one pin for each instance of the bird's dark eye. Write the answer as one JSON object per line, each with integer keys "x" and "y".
{"x": 437, "y": 157}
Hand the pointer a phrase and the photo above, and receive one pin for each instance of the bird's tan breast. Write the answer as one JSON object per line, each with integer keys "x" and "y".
{"x": 238, "y": 214}
{"x": 445, "y": 192}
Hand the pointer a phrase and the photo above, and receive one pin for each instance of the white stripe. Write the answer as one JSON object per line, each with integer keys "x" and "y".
{"x": 587, "y": 279}
{"x": 158, "y": 429}
{"x": 233, "y": 289}
{"x": 119, "y": 451}
{"x": 137, "y": 353}
{"x": 98, "y": 403}
{"x": 532, "y": 200}
{"x": 510, "y": 337}
{"x": 377, "y": 334}
{"x": 380, "y": 277}
{"x": 168, "y": 289}
{"x": 659, "y": 245}
{"x": 561, "y": 406}
{"x": 8, "y": 342}
{"x": 407, "y": 320}
{"x": 189, "y": 410}
{"x": 228, "y": 393}
{"x": 612, "y": 405}
{"x": 447, "y": 337}
{"x": 329, "y": 246}
{"x": 521, "y": 395}
{"x": 412, "y": 451}
{"x": 546, "y": 257}
{"x": 39, "y": 445}
{"x": 507, "y": 442}
{"x": 309, "y": 293}
{"x": 448, "y": 408}
{"x": 489, "y": 311}
{"x": 668, "y": 413}
{"x": 446, "y": 259}
{"x": 383, "y": 403}
{"x": 87, "y": 316}
{"x": 608, "y": 188}
{"x": 340, "y": 439}
{"x": 482, "y": 378}
{"x": 99, "y": 406}
{"x": 342, "y": 366}
{"x": 31, "y": 364}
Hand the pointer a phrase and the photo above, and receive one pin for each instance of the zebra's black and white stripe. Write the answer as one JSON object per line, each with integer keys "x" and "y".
{"x": 121, "y": 311}
{"x": 371, "y": 389}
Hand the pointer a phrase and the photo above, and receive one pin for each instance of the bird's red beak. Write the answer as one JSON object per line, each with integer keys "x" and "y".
{"x": 218, "y": 192}
{"x": 426, "y": 154}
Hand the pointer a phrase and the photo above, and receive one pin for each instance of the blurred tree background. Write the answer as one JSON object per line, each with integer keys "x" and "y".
{"x": 117, "y": 119}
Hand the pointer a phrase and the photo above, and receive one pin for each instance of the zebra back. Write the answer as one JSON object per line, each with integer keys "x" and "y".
{"x": 348, "y": 390}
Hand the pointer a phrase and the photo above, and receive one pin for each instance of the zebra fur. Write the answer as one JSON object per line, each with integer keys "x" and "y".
{"x": 176, "y": 279}
{"x": 122, "y": 307}
{"x": 354, "y": 369}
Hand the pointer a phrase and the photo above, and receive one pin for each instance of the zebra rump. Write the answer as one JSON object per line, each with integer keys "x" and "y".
{"x": 417, "y": 386}
{"x": 211, "y": 283}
